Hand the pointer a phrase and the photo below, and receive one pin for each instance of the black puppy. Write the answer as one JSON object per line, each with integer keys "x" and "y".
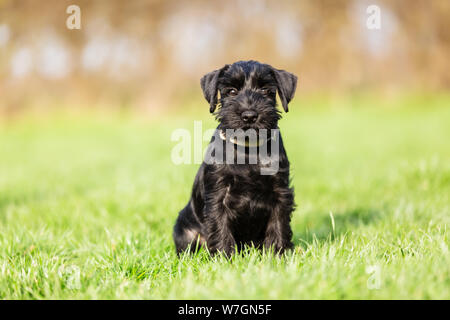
{"x": 234, "y": 204}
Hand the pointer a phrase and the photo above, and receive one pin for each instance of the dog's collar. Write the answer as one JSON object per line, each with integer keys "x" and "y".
{"x": 247, "y": 143}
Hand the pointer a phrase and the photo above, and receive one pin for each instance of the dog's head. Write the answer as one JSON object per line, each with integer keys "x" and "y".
{"x": 248, "y": 94}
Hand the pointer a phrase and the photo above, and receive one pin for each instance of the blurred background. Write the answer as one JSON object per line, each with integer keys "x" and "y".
{"x": 150, "y": 55}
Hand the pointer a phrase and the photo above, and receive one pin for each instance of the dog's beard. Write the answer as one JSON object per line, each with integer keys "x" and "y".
{"x": 229, "y": 117}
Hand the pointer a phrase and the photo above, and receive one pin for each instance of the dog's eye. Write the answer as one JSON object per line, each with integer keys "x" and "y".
{"x": 266, "y": 91}
{"x": 232, "y": 91}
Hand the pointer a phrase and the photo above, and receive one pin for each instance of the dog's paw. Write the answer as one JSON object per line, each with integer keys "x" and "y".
{"x": 277, "y": 246}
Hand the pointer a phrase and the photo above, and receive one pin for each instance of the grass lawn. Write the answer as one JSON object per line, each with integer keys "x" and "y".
{"x": 87, "y": 206}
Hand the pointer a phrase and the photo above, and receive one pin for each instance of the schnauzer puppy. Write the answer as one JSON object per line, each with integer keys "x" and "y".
{"x": 236, "y": 204}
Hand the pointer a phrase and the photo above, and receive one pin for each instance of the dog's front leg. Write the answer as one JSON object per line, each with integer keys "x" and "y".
{"x": 217, "y": 218}
{"x": 278, "y": 232}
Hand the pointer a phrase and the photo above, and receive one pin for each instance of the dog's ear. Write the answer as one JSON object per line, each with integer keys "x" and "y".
{"x": 286, "y": 83}
{"x": 209, "y": 86}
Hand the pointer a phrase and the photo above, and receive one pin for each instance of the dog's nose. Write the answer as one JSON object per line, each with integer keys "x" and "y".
{"x": 249, "y": 116}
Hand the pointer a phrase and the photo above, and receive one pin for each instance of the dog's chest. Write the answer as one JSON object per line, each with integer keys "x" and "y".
{"x": 249, "y": 202}
{"x": 250, "y": 195}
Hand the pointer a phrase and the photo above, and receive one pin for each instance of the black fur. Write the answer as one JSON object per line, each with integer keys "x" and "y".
{"x": 233, "y": 204}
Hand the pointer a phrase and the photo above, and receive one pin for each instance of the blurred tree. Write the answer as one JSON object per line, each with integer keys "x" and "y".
{"x": 144, "y": 53}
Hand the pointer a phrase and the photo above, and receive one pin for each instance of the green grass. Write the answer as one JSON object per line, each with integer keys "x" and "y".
{"x": 87, "y": 206}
